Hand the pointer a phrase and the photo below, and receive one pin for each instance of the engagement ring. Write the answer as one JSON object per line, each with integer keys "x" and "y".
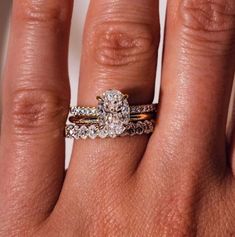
{"x": 112, "y": 117}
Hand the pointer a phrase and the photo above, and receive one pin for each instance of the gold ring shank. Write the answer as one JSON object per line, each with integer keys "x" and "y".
{"x": 94, "y": 120}
{"x": 143, "y": 116}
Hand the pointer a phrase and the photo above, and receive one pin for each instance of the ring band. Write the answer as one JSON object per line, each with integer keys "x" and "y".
{"x": 83, "y": 132}
{"x": 112, "y": 117}
{"x": 93, "y": 111}
{"x": 79, "y": 120}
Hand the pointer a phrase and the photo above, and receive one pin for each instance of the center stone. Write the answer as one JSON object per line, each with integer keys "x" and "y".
{"x": 113, "y": 112}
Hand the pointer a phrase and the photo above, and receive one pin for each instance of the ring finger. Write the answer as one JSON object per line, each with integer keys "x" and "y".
{"x": 120, "y": 51}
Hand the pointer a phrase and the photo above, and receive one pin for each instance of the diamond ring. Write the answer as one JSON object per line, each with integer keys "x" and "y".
{"x": 111, "y": 118}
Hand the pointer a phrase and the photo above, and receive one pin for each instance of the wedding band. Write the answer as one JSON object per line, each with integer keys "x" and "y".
{"x": 93, "y": 131}
{"x": 112, "y": 117}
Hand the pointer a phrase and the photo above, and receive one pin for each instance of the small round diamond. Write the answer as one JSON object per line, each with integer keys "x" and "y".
{"x": 93, "y": 131}
{"x": 76, "y": 132}
{"x": 69, "y": 132}
{"x": 148, "y": 127}
{"x": 85, "y": 111}
{"x": 131, "y": 129}
{"x": 103, "y": 133}
{"x": 83, "y": 132}
{"x": 74, "y": 111}
{"x": 93, "y": 111}
{"x": 139, "y": 128}
{"x": 82, "y": 111}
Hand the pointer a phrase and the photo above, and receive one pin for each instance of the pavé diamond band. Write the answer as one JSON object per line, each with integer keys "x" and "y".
{"x": 93, "y": 111}
{"x": 93, "y": 131}
{"x": 111, "y": 118}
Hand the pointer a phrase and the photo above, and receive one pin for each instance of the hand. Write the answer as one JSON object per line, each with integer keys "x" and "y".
{"x": 179, "y": 182}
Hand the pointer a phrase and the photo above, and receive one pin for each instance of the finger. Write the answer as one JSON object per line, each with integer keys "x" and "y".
{"x": 197, "y": 81}
{"x": 120, "y": 48}
{"x": 36, "y": 100}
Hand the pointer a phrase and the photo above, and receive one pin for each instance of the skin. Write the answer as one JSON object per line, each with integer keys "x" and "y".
{"x": 178, "y": 182}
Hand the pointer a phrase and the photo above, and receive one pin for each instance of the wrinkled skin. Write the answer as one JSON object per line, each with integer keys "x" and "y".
{"x": 178, "y": 182}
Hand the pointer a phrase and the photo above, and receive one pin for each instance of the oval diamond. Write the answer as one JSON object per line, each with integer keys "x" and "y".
{"x": 113, "y": 112}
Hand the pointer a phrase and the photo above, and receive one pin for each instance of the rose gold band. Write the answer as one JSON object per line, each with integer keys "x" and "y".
{"x": 94, "y": 119}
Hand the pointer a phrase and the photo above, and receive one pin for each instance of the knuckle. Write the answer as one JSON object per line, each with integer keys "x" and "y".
{"x": 208, "y": 15}
{"x": 52, "y": 12}
{"x": 209, "y": 22}
{"x": 120, "y": 44}
{"x": 32, "y": 109}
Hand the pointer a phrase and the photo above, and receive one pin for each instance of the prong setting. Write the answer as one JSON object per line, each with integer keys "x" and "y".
{"x": 99, "y": 98}
{"x": 113, "y": 112}
{"x": 126, "y": 97}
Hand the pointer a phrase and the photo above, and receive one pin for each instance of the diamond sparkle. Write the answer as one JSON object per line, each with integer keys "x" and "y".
{"x": 113, "y": 112}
